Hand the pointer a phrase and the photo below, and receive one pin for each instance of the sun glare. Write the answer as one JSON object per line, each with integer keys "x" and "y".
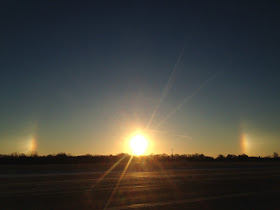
{"x": 138, "y": 144}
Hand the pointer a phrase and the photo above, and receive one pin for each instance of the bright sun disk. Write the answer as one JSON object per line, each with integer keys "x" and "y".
{"x": 138, "y": 144}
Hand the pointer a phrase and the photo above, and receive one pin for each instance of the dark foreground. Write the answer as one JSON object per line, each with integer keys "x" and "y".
{"x": 213, "y": 187}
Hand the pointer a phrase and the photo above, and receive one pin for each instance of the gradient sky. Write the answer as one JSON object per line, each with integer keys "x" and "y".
{"x": 194, "y": 76}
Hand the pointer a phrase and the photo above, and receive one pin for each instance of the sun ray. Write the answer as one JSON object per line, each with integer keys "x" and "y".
{"x": 186, "y": 100}
{"x": 107, "y": 172}
{"x": 118, "y": 183}
{"x": 167, "y": 87}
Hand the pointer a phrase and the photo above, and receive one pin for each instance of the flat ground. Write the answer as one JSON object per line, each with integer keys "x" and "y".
{"x": 168, "y": 186}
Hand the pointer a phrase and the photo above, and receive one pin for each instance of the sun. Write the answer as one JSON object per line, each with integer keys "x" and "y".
{"x": 138, "y": 144}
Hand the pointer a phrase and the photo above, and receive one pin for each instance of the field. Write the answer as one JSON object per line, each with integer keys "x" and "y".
{"x": 224, "y": 185}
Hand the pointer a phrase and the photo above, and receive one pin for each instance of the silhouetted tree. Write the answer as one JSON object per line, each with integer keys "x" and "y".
{"x": 34, "y": 154}
{"x": 220, "y": 157}
{"x": 243, "y": 157}
{"x": 231, "y": 157}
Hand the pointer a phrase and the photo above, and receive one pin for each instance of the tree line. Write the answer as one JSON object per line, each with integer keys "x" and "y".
{"x": 34, "y": 158}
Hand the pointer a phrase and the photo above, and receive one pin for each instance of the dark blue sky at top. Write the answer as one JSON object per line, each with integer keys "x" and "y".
{"x": 78, "y": 66}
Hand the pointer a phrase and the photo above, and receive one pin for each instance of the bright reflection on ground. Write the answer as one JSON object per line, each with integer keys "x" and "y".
{"x": 138, "y": 144}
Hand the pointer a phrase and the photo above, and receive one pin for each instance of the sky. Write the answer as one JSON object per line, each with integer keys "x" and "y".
{"x": 84, "y": 77}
